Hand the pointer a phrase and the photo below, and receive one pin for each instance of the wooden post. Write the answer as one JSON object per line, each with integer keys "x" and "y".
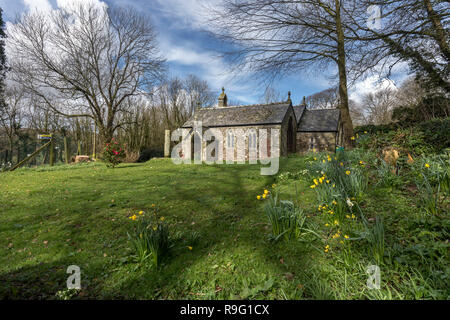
{"x": 167, "y": 144}
{"x": 31, "y": 156}
{"x": 52, "y": 152}
{"x": 66, "y": 151}
{"x": 94, "y": 147}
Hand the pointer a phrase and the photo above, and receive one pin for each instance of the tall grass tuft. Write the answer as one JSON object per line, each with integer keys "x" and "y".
{"x": 150, "y": 239}
{"x": 286, "y": 218}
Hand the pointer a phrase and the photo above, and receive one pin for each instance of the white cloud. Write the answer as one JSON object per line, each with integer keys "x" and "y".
{"x": 192, "y": 13}
{"x": 370, "y": 85}
{"x": 40, "y": 5}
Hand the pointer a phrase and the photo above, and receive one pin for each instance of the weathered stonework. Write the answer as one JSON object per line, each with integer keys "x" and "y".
{"x": 296, "y": 127}
{"x": 322, "y": 141}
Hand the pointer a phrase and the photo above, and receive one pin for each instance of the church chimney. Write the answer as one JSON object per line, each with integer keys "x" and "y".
{"x": 223, "y": 99}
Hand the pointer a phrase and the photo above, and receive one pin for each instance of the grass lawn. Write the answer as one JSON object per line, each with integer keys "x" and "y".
{"x": 51, "y": 218}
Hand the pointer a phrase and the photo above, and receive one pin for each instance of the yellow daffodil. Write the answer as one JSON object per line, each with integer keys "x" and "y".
{"x": 327, "y": 225}
{"x": 427, "y": 165}
{"x": 365, "y": 131}
{"x": 347, "y": 172}
{"x": 315, "y": 158}
{"x": 346, "y": 236}
{"x": 133, "y": 217}
{"x": 352, "y": 138}
{"x": 353, "y": 216}
{"x": 141, "y": 212}
{"x": 341, "y": 164}
{"x": 258, "y": 197}
{"x": 266, "y": 191}
{"x": 154, "y": 228}
{"x": 313, "y": 186}
{"x": 315, "y": 182}
{"x": 274, "y": 185}
{"x": 334, "y": 202}
{"x": 189, "y": 247}
{"x": 347, "y": 216}
{"x": 153, "y": 205}
{"x": 328, "y": 181}
{"x": 336, "y": 222}
{"x": 264, "y": 196}
{"x": 162, "y": 218}
{"x": 323, "y": 161}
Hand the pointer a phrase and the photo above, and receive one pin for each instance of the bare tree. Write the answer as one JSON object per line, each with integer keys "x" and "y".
{"x": 199, "y": 93}
{"x": 11, "y": 118}
{"x": 379, "y": 106}
{"x": 415, "y": 31}
{"x": 326, "y": 99}
{"x": 271, "y": 95}
{"x": 85, "y": 61}
{"x": 283, "y": 37}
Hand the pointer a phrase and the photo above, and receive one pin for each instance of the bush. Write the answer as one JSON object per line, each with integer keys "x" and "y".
{"x": 148, "y": 153}
{"x": 431, "y": 136}
{"x": 113, "y": 153}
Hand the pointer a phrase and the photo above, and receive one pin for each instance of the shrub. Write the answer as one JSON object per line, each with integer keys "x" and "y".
{"x": 146, "y": 154}
{"x": 426, "y": 137}
{"x": 113, "y": 153}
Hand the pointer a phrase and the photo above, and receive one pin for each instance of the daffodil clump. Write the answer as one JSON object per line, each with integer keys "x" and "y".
{"x": 149, "y": 235}
{"x": 338, "y": 183}
{"x": 286, "y": 219}
{"x": 339, "y": 177}
{"x": 433, "y": 182}
{"x": 266, "y": 194}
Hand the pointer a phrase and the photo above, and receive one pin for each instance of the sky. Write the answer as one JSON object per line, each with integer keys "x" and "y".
{"x": 188, "y": 49}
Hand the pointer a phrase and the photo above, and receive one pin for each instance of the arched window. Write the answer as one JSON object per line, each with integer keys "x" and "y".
{"x": 252, "y": 139}
{"x": 230, "y": 139}
{"x": 312, "y": 144}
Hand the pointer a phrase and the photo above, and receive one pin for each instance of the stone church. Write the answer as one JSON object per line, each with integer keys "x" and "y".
{"x": 300, "y": 129}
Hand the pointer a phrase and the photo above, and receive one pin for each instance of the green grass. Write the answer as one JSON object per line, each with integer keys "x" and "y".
{"x": 51, "y": 218}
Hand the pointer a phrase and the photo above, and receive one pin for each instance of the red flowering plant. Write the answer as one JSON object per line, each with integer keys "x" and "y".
{"x": 113, "y": 153}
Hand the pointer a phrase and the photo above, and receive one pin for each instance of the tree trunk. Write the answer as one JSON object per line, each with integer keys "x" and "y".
{"x": 440, "y": 33}
{"x": 343, "y": 90}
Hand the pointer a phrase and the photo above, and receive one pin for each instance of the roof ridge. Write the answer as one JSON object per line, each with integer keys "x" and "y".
{"x": 247, "y": 105}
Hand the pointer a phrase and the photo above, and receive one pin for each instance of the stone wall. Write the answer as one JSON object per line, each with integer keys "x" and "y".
{"x": 323, "y": 141}
{"x": 241, "y": 149}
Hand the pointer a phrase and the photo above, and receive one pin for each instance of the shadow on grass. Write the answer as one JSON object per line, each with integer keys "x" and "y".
{"x": 220, "y": 206}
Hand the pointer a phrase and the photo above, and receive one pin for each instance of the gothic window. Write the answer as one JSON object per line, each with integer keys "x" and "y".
{"x": 252, "y": 139}
{"x": 312, "y": 144}
{"x": 230, "y": 139}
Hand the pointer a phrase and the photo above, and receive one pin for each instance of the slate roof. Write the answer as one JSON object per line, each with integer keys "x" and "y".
{"x": 298, "y": 110}
{"x": 258, "y": 114}
{"x": 319, "y": 120}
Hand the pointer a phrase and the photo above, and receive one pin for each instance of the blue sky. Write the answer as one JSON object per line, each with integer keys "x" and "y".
{"x": 190, "y": 50}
